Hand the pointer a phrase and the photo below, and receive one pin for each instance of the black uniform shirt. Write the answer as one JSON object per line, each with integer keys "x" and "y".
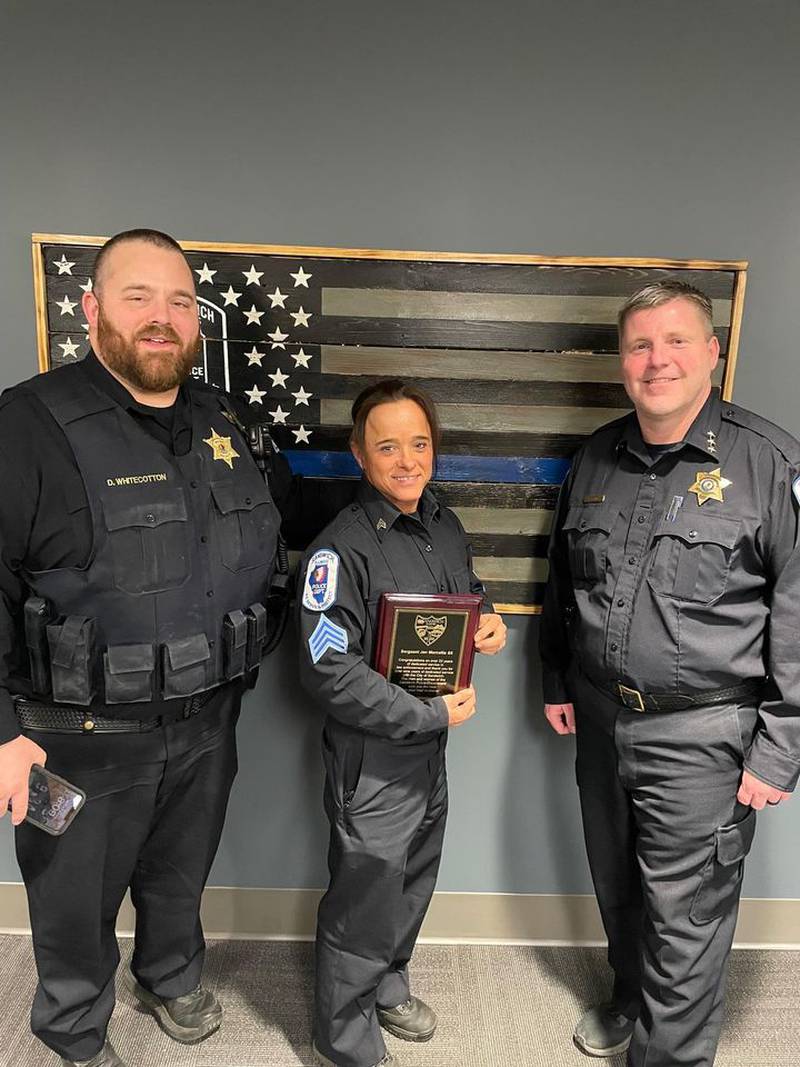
{"x": 680, "y": 572}
{"x": 46, "y": 523}
{"x": 378, "y": 549}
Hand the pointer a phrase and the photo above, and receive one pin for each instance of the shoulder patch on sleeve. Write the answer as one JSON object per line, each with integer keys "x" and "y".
{"x": 321, "y": 580}
{"x": 326, "y": 635}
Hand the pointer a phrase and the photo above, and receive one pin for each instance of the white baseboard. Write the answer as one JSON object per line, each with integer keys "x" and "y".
{"x": 539, "y": 918}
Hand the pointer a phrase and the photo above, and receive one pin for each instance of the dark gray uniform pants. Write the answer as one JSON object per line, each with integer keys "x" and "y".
{"x": 387, "y": 805}
{"x": 154, "y": 812}
{"x": 666, "y": 840}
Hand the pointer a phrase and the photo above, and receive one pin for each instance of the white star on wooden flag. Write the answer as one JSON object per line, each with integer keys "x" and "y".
{"x": 301, "y": 434}
{"x": 301, "y": 397}
{"x": 277, "y": 299}
{"x": 300, "y": 317}
{"x": 87, "y": 286}
{"x": 300, "y": 278}
{"x": 278, "y": 338}
{"x": 63, "y": 266}
{"x": 279, "y": 415}
{"x": 253, "y": 276}
{"x": 68, "y": 347}
{"x": 253, "y": 316}
{"x": 230, "y": 296}
{"x": 85, "y": 325}
{"x": 67, "y": 305}
{"x": 278, "y": 379}
{"x": 254, "y": 356}
{"x": 204, "y": 273}
{"x": 255, "y": 394}
{"x": 301, "y": 359}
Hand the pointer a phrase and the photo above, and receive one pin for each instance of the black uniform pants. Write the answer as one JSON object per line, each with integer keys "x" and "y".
{"x": 666, "y": 840}
{"x": 387, "y": 806}
{"x": 152, "y": 821}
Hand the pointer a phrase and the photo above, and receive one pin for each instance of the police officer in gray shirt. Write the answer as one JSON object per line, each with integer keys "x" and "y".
{"x": 384, "y": 748}
{"x": 669, "y": 644}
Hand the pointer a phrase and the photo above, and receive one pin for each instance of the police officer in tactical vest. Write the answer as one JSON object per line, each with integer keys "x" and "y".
{"x": 137, "y": 557}
{"x": 669, "y": 645}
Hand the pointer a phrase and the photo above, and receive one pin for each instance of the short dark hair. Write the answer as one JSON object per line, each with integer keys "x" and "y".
{"x": 150, "y": 237}
{"x": 387, "y": 391}
{"x": 658, "y": 293}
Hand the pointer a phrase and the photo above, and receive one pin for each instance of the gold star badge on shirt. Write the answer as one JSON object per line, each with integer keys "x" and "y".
{"x": 222, "y": 448}
{"x": 709, "y": 485}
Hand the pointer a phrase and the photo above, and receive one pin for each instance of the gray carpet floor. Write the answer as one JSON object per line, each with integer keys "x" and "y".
{"x": 498, "y": 1005}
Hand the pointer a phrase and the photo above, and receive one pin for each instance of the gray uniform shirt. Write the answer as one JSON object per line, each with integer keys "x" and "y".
{"x": 369, "y": 549}
{"x": 680, "y": 572}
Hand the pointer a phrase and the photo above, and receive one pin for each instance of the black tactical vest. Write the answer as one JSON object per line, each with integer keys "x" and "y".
{"x": 171, "y": 600}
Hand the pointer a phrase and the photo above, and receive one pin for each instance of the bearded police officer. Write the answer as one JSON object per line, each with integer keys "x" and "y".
{"x": 138, "y": 544}
{"x": 669, "y": 643}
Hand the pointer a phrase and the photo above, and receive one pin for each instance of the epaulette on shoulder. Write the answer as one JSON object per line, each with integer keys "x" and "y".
{"x": 788, "y": 446}
{"x": 334, "y": 534}
{"x": 346, "y": 518}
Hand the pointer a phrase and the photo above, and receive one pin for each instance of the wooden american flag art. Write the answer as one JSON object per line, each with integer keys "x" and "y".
{"x": 519, "y": 352}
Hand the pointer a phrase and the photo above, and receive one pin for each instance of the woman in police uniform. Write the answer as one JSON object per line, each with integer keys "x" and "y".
{"x": 383, "y": 748}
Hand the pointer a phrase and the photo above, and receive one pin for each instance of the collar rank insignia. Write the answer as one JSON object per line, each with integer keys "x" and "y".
{"x": 381, "y": 525}
{"x": 711, "y": 442}
{"x": 709, "y": 485}
{"x": 221, "y": 447}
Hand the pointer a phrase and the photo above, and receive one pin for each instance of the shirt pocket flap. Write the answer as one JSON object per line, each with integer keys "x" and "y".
{"x": 232, "y": 496}
{"x": 130, "y": 659}
{"x": 187, "y": 651}
{"x": 733, "y": 842}
{"x": 589, "y": 517}
{"x": 701, "y": 529}
{"x": 120, "y": 513}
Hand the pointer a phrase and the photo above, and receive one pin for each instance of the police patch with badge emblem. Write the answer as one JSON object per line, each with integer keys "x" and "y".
{"x": 322, "y": 576}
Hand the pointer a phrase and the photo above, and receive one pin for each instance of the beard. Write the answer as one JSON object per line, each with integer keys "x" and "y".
{"x": 152, "y": 372}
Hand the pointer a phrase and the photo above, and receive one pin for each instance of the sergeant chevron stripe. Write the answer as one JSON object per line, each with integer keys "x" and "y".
{"x": 326, "y": 635}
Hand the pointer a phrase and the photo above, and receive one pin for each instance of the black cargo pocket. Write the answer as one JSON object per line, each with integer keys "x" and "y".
{"x": 247, "y": 521}
{"x": 586, "y": 530}
{"x": 128, "y": 672}
{"x": 71, "y": 644}
{"x": 149, "y": 542}
{"x": 692, "y": 557}
{"x": 184, "y": 663}
{"x": 722, "y": 875}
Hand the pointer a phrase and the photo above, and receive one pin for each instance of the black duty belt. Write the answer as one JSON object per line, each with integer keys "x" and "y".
{"x": 67, "y": 719}
{"x": 635, "y": 700}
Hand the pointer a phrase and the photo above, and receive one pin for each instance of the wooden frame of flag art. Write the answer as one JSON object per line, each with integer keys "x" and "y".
{"x": 518, "y": 351}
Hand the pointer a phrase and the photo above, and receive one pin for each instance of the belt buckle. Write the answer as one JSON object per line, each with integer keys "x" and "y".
{"x": 631, "y": 698}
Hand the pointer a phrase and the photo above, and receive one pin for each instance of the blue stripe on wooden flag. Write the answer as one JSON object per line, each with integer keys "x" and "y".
{"x": 512, "y": 469}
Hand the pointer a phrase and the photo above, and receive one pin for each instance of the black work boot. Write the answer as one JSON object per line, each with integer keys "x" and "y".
{"x": 188, "y": 1019}
{"x": 603, "y": 1031}
{"x": 106, "y": 1057}
{"x": 412, "y": 1020}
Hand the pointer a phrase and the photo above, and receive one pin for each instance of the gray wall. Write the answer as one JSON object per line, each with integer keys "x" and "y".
{"x": 563, "y": 127}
